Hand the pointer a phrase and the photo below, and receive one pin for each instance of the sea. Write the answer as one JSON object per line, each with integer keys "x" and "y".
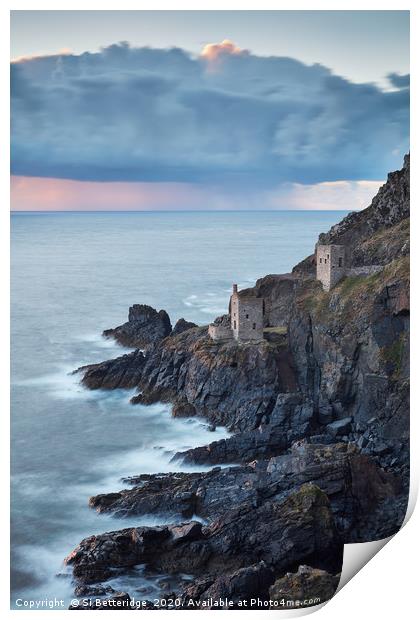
{"x": 73, "y": 275}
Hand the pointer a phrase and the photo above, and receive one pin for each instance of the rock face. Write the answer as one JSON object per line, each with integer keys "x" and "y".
{"x": 241, "y": 585}
{"x": 122, "y": 372}
{"x": 230, "y": 384}
{"x": 183, "y": 494}
{"x": 296, "y": 508}
{"x": 357, "y": 489}
{"x": 181, "y": 326}
{"x": 280, "y": 532}
{"x": 366, "y": 234}
{"x": 379, "y": 233}
{"x": 310, "y": 586}
{"x": 291, "y": 418}
{"x": 351, "y": 345}
{"x": 145, "y": 326}
{"x": 278, "y": 294}
{"x": 319, "y": 411}
{"x": 352, "y": 351}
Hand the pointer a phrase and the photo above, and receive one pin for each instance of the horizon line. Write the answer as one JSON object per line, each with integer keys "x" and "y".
{"x": 15, "y": 211}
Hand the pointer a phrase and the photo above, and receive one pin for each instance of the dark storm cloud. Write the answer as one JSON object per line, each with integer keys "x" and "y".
{"x": 141, "y": 114}
{"x": 399, "y": 81}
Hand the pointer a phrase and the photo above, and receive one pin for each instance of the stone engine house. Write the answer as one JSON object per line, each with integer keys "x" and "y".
{"x": 246, "y": 316}
{"x": 245, "y": 321}
{"x": 330, "y": 264}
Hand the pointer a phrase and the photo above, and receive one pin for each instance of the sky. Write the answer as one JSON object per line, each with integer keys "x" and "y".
{"x": 206, "y": 109}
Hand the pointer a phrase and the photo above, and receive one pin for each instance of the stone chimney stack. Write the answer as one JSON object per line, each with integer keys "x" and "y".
{"x": 235, "y": 288}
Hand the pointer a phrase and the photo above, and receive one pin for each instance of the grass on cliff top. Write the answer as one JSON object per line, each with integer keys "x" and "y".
{"x": 282, "y": 330}
{"x": 392, "y": 237}
{"x": 353, "y": 292}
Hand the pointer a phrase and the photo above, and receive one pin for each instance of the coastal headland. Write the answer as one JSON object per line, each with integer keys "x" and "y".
{"x": 318, "y": 411}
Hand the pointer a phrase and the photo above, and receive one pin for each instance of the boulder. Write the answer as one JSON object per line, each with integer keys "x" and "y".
{"x": 241, "y": 585}
{"x": 123, "y": 372}
{"x": 181, "y": 326}
{"x": 339, "y": 427}
{"x": 310, "y": 586}
{"x": 145, "y": 327}
{"x": 183, "y": 409}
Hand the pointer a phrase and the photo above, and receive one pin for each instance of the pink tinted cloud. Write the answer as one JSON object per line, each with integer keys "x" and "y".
{"x": 48, "y": 194}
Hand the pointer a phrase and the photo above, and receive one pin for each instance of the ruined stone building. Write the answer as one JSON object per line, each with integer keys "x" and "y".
{"x": 246, "y": 316}
{"x": 330, "y": 264}
{"x": 245, "y": 321}
{"x": 220, "y": 329}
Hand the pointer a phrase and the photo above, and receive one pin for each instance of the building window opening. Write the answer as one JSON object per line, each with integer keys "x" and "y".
{"x": 320, "y": 260}
{"x": 328, "y": 256}
{"x": 234, "y": 324}
{"x": 254, "y": 325}
{"x": 247, "y": 316}
{"x": 340, "y": 262}
{"x": 325, "y": 260}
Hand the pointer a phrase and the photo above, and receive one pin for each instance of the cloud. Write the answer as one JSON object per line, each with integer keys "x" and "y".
{"x": 399, "y": 81}
{"x": 160, "y": 115}
{"x": 214, "y": 53}
{"x": 327, "y": 196}
{"x": 49, "y": 194}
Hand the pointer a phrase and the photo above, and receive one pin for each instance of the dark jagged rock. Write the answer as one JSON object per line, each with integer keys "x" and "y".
{"x": 358, "y": 489}
{"x": 310, "y": 586}
{"x": 99, "y": 557}
{"x": 122, "y": 372}
{"x": 376, "y": 235}
{"x": 240, "y": 448}
{"x": 277, "y": 290}
{"x": 145, "y": 326}
{"x": 279, "y": 532}
{"x": 183, "y": 409}
{"x": 241, "y": 585}
{"x": 230, "y": 384}
{"x": 186, "y": 494}
{"x": 366, "y": 234}
{"x": 181, "y": 326}
{"x": 83, "y": 591}
{"x": 356, "y": 486}
{"x": 291, "y": 418}
{"x": 339, "y": 427}
{"x": 351, "y": 346}
{"x": 351, "y": 349}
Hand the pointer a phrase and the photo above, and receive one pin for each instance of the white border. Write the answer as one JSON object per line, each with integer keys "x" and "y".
{"x": 387, "y": 586}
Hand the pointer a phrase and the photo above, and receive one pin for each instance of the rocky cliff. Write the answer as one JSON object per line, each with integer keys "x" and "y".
{"x": 351, "y": 346}
{"x": 379, "y": 233}
{"x": 233, "y": 385}
{"x": 320, "y": 422}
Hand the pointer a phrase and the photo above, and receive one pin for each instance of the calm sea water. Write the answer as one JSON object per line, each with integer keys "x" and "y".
{"x": 74, "y": 275}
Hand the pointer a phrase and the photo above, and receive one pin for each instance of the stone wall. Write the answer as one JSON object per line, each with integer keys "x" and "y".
{"x": 366, "y": 270}
{"x": 220, "y": 332}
